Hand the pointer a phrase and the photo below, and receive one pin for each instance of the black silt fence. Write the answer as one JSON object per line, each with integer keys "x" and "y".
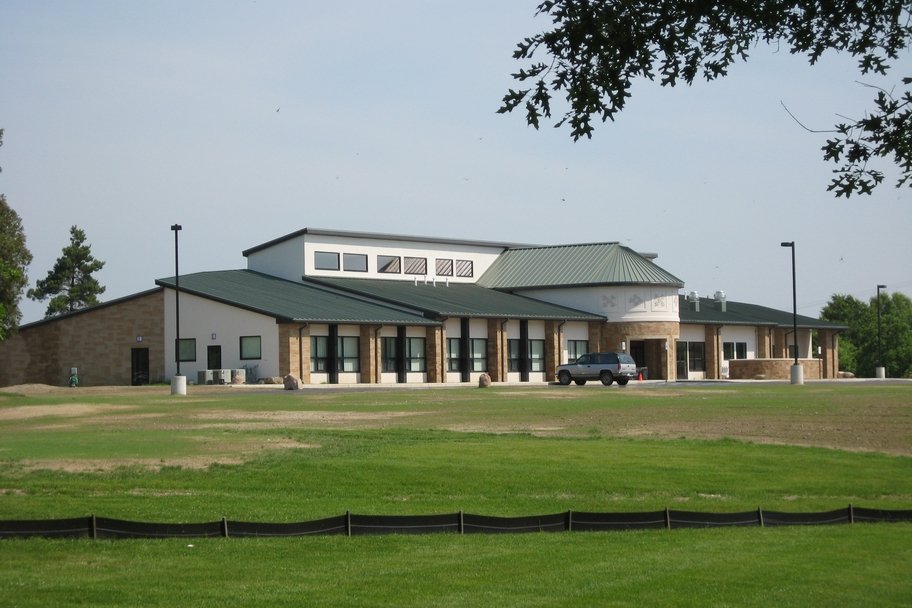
{"x": 458, "y": 523}
{"x": 403, "y": 524}
{"x": 80, "y": 527}
{"x": 330, "y": 525}
{"x": 591, "y": 522}
{"x": 558, "y": 522}
{"x": 778, "y": 518}
{"x": 692, "y": 519}
{"x": 860, "y": 514}
{"x": 119, "y": 528}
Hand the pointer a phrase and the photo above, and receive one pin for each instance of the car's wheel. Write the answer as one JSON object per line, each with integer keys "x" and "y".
{"x": 580, "y": 382}
{"x": 606, "y": 378}
{"x": 623, "y": 381}
{"x": 564, "y": 378}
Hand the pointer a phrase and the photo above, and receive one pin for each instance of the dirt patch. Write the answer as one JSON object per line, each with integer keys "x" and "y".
{"x": 505, "y": 429}
{"x": 26, "y": 412}
{"x": 875, "y": 429}
{"x": 234, "y": 453}
{"x": 283, "y": 418}
{"x": 30, "y": 389}
{"x": 83, "y": 465}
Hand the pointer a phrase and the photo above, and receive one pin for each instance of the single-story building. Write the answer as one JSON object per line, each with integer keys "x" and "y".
{"x": 331, "y": 306}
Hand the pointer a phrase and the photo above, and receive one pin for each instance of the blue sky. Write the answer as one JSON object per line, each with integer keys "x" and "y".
{"x": 244, "y": 121}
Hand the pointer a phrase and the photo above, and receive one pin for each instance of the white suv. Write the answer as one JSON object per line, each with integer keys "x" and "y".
{"x": 607, "y": 367}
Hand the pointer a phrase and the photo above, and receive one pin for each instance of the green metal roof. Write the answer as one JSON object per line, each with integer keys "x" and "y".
{"x": 574, "y": 266}
{"x": 740, "y": 313}
{"x": 377, "y": 235}
{"x": 290, "y": 301}
{"x": 457, "y": 299}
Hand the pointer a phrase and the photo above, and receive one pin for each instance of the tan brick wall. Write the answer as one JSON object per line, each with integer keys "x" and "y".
{"x": 772, "y": 369}
{"x": 713, "y": 351}
{"x": 828, "y": 340}
{"x": 779, "y": 348}
{"x": 98, "y": 342}
{"x": 595, "y": 336}
{"x": 291, "y": 343}
{"x": 764, "y": 344}
{"x": 497, "y": 351}
{"x": 435, "y": 341}
{"x": 305, "y": 354}
{"x": 552, "y": 349}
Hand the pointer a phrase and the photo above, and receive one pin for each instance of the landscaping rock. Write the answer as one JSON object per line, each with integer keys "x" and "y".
{"x": 292, "y": 383}
{"x": 484, "y": 381}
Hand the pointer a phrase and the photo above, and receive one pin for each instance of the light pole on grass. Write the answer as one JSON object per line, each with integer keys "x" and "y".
{"x": 881, "y": 371}
{"x": 797, "y": 374}
{"x": 179, "y": 382}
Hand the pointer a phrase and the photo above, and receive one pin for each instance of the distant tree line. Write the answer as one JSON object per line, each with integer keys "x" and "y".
{"x": 859, "y": 350}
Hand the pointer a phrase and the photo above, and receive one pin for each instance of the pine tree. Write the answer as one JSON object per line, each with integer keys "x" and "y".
{"x": 70, "y": 284}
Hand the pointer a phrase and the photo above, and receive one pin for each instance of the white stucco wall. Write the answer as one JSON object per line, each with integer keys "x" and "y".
{"x": 213, "y": 323}
{"x": 284, "y": 259}
{"x": 626, "y": 303}
{"x": 692, "y": 333}
{"x": 480, "y": 256}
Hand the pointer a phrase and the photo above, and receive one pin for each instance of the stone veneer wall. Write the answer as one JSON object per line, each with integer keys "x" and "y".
{"x": 97, "y": 341}
{"x": 772, "y": 369}
{"x": 369, "y": 355}
{"x": 497, "y": 351}
{"x": 552, "y": 349}
{"x": 435, "y": 345}
{"x": 656, "y": 334}
{"x": 828, "y": 340}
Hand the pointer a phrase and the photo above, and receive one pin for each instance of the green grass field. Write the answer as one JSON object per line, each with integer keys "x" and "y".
{"x": 274, "y": 456}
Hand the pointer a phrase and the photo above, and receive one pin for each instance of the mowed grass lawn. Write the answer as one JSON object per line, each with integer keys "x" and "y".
{"x": 275, "y": 456}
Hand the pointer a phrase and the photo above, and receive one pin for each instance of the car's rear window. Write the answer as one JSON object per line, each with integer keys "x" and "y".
{"x": 626, "y": 359}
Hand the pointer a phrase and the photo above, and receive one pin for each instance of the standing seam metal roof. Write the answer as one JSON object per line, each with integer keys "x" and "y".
{"x": 457, "y": 299}
{"x": 574, "y": 265}
{"x": 741, "y": 313}
{"x": 291, "y": 301}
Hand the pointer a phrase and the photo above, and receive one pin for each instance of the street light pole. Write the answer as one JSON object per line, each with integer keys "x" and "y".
{"x": 797, "y": 373}
{"x": 179, "y": 382}
{"x": 881, "y": 371}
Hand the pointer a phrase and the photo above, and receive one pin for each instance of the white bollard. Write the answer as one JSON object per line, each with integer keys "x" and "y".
{"x": 880, "y": 372}
{"x": 797, "y": 373}
{"x": 179, "y": 385}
